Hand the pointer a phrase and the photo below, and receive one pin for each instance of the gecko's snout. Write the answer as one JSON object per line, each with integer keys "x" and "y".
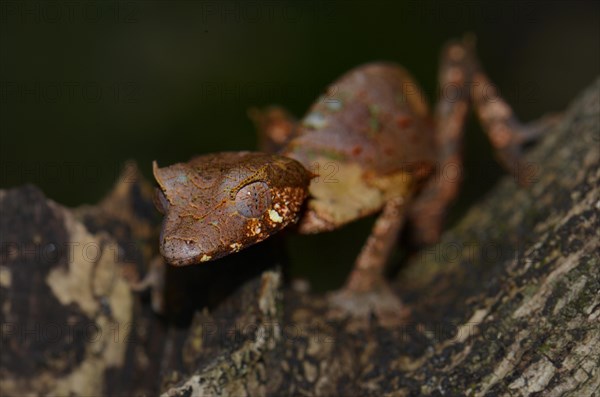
{"x": 181, "y": 252}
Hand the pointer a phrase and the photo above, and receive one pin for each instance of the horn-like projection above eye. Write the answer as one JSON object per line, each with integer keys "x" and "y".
{"x": 160, "y": 201}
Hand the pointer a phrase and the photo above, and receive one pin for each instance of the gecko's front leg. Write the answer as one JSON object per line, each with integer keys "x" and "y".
{"x": 275, "y": 127}
{"x": 366, "y": 290}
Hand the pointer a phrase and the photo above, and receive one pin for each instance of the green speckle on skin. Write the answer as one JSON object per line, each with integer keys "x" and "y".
{"x": 374, "y": 119}
{"x": 312, "y": 154}
{"x": 332, "y": 155}
{"x": 374, "y": 125}
{"x": 401, "y": 99}
{"x": 182, "y": 178}
{"x": 333, "y": 104}
{"x": 315, "y": 120}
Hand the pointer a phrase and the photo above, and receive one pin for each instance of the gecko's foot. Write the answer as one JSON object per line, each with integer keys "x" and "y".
{"x": 512, "y": 154}
{"x": 380, "y": 304}
{"x": 154, "y": 280}
{"x": 534, "y": 130}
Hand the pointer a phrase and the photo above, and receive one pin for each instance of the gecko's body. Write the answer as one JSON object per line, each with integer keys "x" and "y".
{"x": 368, "y": 146}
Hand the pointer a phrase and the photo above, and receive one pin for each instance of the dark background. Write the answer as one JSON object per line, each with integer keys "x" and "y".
{"x": 85, "y": 86}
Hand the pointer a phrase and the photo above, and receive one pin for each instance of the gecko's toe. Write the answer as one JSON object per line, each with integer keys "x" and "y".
{"x": 360, "y": 308}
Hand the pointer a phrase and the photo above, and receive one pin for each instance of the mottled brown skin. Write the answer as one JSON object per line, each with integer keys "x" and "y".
{"x": 372, "y": 145}
{"x": 217, "y": 204}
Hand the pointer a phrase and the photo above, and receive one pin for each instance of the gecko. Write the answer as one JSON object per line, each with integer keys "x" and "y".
{"x": 369, "y": 145}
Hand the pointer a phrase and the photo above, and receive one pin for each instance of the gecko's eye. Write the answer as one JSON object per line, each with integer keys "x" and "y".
{"x": 253, "y": 199}
{"x": 160, "y": 201}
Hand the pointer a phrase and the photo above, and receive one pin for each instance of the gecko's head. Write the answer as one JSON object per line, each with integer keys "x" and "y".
{"x": 220, "y": 203}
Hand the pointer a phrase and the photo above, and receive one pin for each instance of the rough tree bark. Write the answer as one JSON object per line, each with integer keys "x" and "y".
{"x": 508, "y": 303}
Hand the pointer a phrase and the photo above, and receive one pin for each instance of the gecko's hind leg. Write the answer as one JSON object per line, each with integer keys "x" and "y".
{"x": 506, "y": 133}
{"x": 460, "y": 69}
